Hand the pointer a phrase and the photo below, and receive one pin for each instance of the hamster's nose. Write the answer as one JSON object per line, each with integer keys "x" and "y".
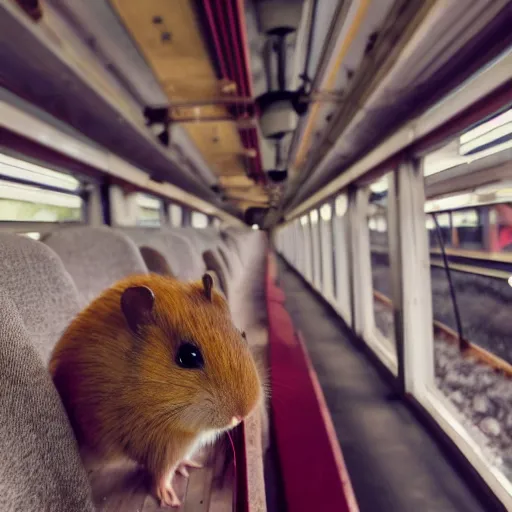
{"x": 235, "y": 420}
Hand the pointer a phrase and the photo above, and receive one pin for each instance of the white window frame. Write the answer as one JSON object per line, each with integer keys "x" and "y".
{"x": 417, "y": 328}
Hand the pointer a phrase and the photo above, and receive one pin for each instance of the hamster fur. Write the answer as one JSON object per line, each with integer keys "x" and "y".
{"x": 151, "y": 370}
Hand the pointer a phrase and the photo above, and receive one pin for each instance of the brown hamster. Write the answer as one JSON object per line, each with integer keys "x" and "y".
{"x": 153, "y": 369}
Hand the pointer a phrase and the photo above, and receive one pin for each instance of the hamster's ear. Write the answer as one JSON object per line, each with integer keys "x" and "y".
{"x": 137, "y": 306}
{"x": 208, "y": 286}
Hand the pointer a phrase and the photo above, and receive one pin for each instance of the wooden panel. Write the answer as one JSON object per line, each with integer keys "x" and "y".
{"x": 175, "y": 49}
{"x": 127, "y": 487}
{"x": 181, "y": 63}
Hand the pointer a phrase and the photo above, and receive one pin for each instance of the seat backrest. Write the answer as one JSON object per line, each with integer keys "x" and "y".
{"x": 185, "y": 257}
{"x": 182, "y": 258}
{"x": 35, "y": 279}
{"x": 155, "y": 261}
{"x": 40, "y": 467}
{"x": 96, "y": 257}
{"x": 214, "y": 262}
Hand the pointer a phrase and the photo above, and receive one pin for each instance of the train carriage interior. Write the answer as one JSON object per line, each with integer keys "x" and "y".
{"x": 342, "y": 172}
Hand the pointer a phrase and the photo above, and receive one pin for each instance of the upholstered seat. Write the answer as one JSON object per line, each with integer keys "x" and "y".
{"x": 34, "y": 278}
{"x": 96, "y": 257}
{"x": 40, "y": 467}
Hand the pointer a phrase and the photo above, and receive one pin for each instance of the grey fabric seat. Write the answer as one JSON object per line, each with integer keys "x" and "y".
{"x": 181, "y": 256}
{"x": 40, "y": 467}
{"x": 35, "y": 279}
{"x": 96, "y": 258}
{"x": 215, "y": 263}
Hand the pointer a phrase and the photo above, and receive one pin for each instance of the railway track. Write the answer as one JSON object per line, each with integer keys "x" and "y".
{"x": 447, "y": 334}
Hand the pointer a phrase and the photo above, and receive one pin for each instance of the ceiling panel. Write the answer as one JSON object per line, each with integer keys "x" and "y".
{"x": 170, "y": 38}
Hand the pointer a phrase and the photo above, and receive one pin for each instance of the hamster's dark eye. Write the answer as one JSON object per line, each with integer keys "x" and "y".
{"x": 190, "y": 357}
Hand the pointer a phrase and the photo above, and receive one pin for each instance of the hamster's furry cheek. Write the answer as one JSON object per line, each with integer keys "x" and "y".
{"x": 201, "y": 413}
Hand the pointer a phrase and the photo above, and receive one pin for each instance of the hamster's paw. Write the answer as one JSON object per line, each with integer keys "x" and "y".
{"x": 166, "y": 494}
{"x": 182, "y": 468}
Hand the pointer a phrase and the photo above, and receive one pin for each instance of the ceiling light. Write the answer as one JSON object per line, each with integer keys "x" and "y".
{"x": 483, "y": 128}
{"x": 501, "y": 134}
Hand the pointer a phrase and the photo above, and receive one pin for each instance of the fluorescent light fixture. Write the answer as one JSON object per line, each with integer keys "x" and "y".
{"x": 488, "y": 126}
{"x": 255, "y": 227}
{"x": 487, "y": 138}
{"x": 449, "y": 203}
{"x": 326, "y": 212}
{"x": 490, "y": 151}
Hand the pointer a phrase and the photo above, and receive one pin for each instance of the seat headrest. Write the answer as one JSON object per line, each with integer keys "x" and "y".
{"x": 36, "y": 281}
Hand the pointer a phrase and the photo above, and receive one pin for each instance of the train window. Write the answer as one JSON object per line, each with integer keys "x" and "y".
{"x": 149, "y": 210}
{"x": 467, "y": 231}
{"x": 443, "y": 229}
{"x": 300, "y": 251}
{"x": 377, "y": 218}
{"x": 471, "y": 299}
{"x": 315, "y": 240}
{"x": 308, "y": 250}
{"x": 199, "y": 220}
{"x": 326, "y": 251}
{"x": 26, "y": 203}
{"x": 175, "y": 215}
{"x": 341, "y": 243}
{"x": 33, "y": 193}
{"x": 11, "y": 167}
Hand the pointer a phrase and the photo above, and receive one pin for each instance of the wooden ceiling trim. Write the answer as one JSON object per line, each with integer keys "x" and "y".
{"x": 169, "y": 35}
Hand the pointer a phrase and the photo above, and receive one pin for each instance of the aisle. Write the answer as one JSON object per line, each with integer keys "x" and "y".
{"x": 393, "y": 463}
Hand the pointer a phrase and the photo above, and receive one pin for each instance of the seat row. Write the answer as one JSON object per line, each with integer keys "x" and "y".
{"x": 43, "y": 285}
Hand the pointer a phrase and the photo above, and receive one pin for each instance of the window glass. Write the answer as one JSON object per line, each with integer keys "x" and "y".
{"x": 28, "y": 203}
{"x": 199, "y": 220}
{"x": 476, "y": 228}
{"x": 176, "y": 215}
{"x": 11, "y": 167}
{"x": 326, "y": 249}
{"x": 341, "y": 267}
{"x": 316, "y": 249}
{"x": 377, "y": 218}
{"x": 149, "y": 210}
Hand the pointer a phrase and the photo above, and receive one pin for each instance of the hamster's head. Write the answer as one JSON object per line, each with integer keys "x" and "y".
{"x": 194, "y": 368}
